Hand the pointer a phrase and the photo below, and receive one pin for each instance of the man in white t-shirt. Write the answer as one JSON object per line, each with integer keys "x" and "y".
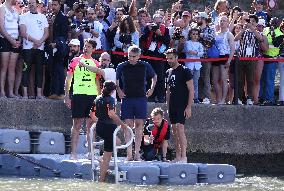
{"x": 95, "y": 28}
{"x": 34, "y": 30}
{"x": 110, "y": 73}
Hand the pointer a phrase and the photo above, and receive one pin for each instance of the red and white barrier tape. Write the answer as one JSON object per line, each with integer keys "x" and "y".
{"x": 195, "y": 60}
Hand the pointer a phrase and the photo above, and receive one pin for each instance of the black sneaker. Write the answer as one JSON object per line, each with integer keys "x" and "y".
{"x": 280, "y": 103}
{"x": 267, "y": 103}
{"x": 196, "y": 101}
{"x": 260, "y": 101}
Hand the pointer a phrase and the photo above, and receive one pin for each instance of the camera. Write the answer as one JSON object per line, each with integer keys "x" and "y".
{"x": 240, "y": 14}
{"x": 125, "y": 39}
{"x": 86, "y": 26}
{"x": 177, "y": 35}
{"x": 73, "y": 26}
{"x": 154, "y": 27}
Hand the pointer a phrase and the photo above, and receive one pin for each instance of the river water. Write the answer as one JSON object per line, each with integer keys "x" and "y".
{"x": 241, "y": 184}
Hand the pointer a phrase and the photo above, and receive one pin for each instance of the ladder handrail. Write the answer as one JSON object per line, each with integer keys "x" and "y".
{"x": 92, "y": 149}
{"x": 115, "y": 148}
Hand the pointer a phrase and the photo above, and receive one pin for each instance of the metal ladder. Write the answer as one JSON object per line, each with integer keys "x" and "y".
{"x": 115, "y": 148}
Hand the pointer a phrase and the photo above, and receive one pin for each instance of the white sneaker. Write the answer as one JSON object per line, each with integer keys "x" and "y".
{"x": 206, "y": 101}
{"x": 240, "y": 102}
{"x": 249, "y": 102}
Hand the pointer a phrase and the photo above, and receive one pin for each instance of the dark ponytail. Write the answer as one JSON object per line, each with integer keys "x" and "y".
{"x": 108, "y": 87}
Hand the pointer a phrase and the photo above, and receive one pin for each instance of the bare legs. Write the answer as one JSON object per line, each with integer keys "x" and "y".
{"x": 138, "y": 129}
{"x": 8, "y": 65}
{"x": 75, "y": 131}
{"x": 220, "y": 83}
{"x": 18, "y": 77}
{"x": 180, "y": 142}
{"x": 104, "y": 164}
{"x": 256, "y": 81}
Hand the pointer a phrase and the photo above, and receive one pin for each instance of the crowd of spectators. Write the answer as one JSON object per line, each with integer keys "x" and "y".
{"x": 38, "y": 40}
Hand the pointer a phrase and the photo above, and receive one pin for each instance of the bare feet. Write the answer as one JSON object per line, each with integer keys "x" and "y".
{"x": 183, "y": 160}
{"x": 175, "y": 160}
{"x": 12, "y": 96}
{"x": 73, "y": 157}
{"x": 129, "y": 159}
{"x": 40, "y": 97}
{"x": 137, "y": 157}
{"x": 164, "y": 159}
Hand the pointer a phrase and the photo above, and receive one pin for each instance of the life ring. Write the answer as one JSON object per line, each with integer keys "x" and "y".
{"x": 272, "y": 4}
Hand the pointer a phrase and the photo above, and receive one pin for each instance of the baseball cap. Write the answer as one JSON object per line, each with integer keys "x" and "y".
{"x": 262, "y": 2}
{"x": 261, "y": 22}
{"x": 186, "y": 13}
{"x": 75, "y": 42}
{"x": 203, "y": 15}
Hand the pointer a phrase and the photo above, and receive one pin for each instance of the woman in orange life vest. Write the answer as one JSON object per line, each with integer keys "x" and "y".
{"x": 103, "y": 113}
{"x": 156, "y": 136}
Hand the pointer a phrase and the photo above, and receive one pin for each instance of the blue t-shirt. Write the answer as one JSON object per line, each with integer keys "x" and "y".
{"x": 134, "y": 77}
{"x": 263, "y": 15}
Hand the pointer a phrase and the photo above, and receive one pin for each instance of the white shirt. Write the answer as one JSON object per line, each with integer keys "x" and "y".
{"x": 35, "y": 25}
{"x": 197, "y": 47}
{"x": 97, "y": 27}
{"x": 110, "y": 74}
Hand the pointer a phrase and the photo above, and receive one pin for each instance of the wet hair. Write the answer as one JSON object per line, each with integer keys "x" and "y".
{"x": 156, "y": 111}
{"x": 108, "y": 87}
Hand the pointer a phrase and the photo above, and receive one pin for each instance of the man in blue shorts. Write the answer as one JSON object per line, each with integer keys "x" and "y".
{"x": 179, "y": 95}
{"x": 132, "y": 76}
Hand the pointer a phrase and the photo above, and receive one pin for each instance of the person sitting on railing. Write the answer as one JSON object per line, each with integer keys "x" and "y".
{"x": 156, "y": 136}
{"x": 103, "y": 113}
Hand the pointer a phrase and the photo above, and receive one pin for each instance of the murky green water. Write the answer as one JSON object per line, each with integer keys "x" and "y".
{"x": 242, "y": 184}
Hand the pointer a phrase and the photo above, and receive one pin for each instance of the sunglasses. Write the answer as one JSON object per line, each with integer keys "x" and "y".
{"x": 194, "y": 34}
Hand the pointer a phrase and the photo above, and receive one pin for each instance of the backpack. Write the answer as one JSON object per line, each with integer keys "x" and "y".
{"x": 213, "y": 52}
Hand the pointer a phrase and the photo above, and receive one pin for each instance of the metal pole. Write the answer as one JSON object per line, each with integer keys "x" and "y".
{"x": 237, "y": 59}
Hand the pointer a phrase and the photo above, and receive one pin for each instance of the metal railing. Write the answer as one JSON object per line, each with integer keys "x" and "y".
{"x": 115, "y": 148}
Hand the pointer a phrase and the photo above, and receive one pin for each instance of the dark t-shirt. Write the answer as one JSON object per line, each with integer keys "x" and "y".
{"x": 149, "y": 125}
{"x": 134, "y": 78}
{"x": 176, "y": 80}
{"x": 103, "y": 105}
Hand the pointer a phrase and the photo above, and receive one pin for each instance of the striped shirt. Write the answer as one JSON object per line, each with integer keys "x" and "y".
{"x": 249, "y": 45}
{"x": 11, "y": 24}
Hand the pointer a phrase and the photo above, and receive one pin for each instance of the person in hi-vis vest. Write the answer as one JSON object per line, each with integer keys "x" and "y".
{"x": 83, "y": 71}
